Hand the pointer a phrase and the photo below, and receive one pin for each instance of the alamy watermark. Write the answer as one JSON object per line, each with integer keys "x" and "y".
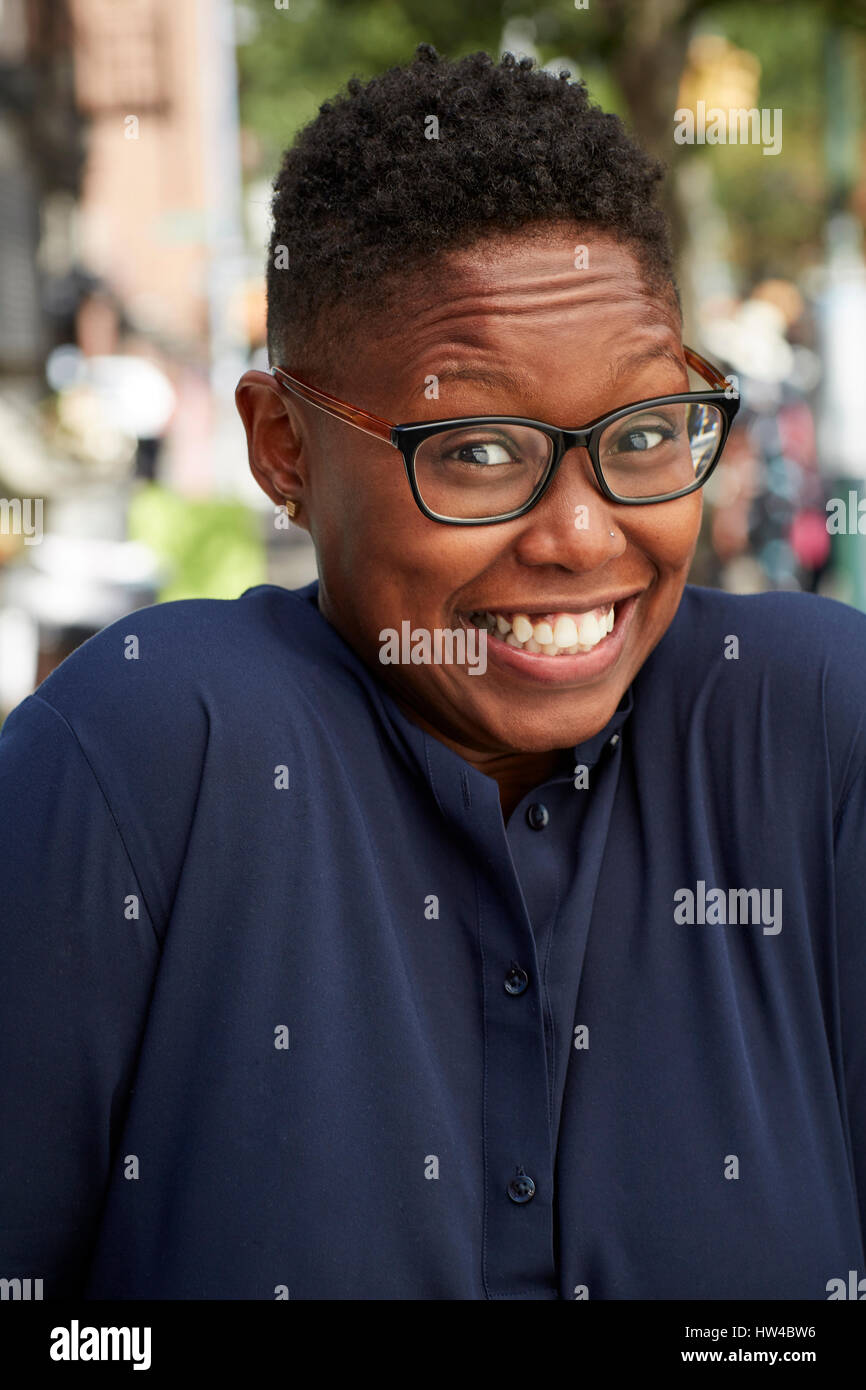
{"x": 846, "y": 519}
{"x": 76, "y": 1343}
{"x": 852, "y": 1288}
{"x": 738, "y": 907}
{"x": 21, "y": 516}
{"x": 21, "y": 1290}
{"x": 441, "y": 647}
{"x": 740, "y": 125}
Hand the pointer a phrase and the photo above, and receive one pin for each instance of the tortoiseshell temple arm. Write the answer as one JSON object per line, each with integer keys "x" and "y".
{"x": 382, "y": 429}
{"x": 362, "y": 419}
{"x": 705, "y": 369}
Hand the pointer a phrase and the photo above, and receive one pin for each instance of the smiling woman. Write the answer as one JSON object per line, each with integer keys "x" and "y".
{"x": 326, "y": 915}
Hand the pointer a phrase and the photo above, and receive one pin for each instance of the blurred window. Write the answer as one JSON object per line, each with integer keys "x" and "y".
{"x": 120, "y": 56}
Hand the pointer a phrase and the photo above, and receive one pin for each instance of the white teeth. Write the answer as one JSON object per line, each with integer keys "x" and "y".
{"x": 565, "y": 632}
{"x": 568, "y": 634}
{"x": 589, "y": 630}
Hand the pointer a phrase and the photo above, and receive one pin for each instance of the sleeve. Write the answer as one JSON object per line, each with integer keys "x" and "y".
{"x": 850, "y": 879}
{"x": 78, "y": 957}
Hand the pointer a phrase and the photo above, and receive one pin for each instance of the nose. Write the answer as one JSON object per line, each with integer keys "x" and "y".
{"x": 573, "y": 521}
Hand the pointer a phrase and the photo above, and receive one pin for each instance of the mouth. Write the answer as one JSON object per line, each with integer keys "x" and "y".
{"x": 556, "y": 643}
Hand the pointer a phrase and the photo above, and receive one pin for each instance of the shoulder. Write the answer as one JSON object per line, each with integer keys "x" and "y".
{"x": 184, "y": 641}
{"x": 169, "y": 659}
{"x": 809, "y": 639}
{"x": 146, "y": 697}
{"x": 163, "y": 714}
{"x": 793, "y": 660}
{"x": 777, "y": 617}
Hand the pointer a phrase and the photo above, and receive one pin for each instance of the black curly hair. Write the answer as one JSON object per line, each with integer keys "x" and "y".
{"x": 363, "y": 198}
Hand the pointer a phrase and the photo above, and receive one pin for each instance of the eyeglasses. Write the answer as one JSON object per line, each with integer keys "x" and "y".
{"x": 482, "y": 469}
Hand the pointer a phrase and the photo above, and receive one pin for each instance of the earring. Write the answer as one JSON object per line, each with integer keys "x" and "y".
{"x": 292, "y": 508}
{"x": 612, "y": 533}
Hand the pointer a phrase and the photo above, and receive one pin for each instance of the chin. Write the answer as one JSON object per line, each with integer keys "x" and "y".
{"x": 544, "y": 734}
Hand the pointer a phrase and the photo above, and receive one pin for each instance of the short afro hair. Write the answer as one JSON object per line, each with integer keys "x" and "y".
{"x": 363, "y": 197}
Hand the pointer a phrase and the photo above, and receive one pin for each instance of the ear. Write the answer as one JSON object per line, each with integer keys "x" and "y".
{"x": 274, "y": 439}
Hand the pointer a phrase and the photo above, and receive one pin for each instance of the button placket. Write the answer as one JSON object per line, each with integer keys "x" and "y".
{"x": 518, "y": 1232}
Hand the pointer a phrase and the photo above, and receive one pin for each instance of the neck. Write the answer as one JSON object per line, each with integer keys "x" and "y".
{"x": 515, "y": 773}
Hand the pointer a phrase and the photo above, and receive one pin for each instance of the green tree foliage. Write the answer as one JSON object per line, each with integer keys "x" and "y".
{"x": 631, "y": 53}
{"x": 212, "y": 548}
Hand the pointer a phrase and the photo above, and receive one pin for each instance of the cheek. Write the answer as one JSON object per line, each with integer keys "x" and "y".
{"x": 368, "y": 527}
{"x": 361, "y": 520}
{"x": 380, "y": 559}
{"x": 667, "y": 534}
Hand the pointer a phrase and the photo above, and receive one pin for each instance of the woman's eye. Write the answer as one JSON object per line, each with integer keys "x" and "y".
{"x": 482, "y": 454}
{"x": 642, "y": 439}
{"x": 638, "y": 439}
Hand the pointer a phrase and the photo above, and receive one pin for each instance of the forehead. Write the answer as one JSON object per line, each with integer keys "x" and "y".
{"x": 524, "y": 280}
{"x": 560, "y": 304}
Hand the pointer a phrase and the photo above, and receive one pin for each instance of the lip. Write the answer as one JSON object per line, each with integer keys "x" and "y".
{"x": 562, "y": 670}
{"x": 566, "y": 606}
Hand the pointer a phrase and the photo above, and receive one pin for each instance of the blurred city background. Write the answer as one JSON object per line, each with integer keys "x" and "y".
{"x": 138, "y": 143}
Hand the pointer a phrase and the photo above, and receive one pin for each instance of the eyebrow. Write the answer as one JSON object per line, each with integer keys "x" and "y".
{"x": 661, "y": 352}
{"x": 487, "y": 376}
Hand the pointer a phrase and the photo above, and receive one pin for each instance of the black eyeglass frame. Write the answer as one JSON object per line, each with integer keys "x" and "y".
{"x": 407, "y": 437}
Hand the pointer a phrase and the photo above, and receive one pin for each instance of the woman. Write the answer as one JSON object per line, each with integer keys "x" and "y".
{"x": 485, "y": 920}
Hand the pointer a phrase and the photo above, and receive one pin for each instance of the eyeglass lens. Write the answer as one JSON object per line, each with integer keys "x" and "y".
{"x": 478, "y": 471}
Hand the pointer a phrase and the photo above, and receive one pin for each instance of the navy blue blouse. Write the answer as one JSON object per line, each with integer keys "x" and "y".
{"x": 287, "y": 1010}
